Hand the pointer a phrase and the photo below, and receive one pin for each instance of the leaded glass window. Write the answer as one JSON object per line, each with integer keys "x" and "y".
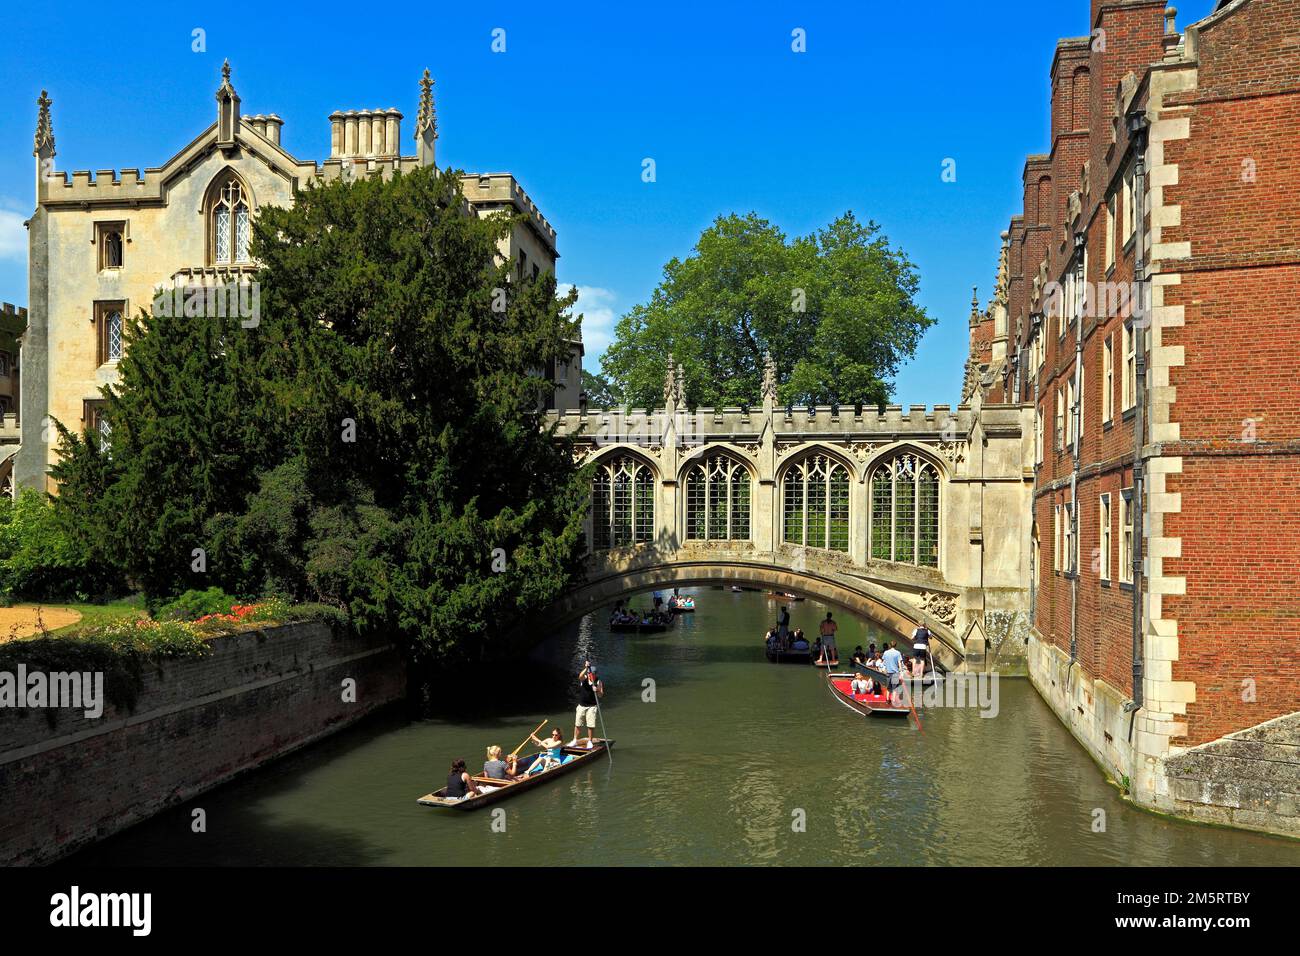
{"x": 717, "y": 500}
{"x": 231, "y": 225}
{"x": 622, "y": 504}
{"x": 114, "y": 332}
{"x": 815, "y": 503}
{"x": 904, "y": 523}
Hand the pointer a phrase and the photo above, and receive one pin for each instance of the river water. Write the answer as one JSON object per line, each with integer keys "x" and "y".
{"x": 733, "y": 761}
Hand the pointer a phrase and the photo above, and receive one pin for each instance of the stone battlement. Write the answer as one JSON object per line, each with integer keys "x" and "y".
{"x": 794, "y": 420}
{"x": 502, "y": 187}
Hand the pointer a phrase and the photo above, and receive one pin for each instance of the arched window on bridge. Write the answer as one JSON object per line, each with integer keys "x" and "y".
{"x": 717, "y": 500}
{"x": 905, "y": 511}
{"x": 622, "y": 504}
{"x": 815, "y": 496}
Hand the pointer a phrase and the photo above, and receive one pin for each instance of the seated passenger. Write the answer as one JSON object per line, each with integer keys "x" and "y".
{"x": 459, "y": 783}
{"x": 552, "y": 751}
{"x": 499, "y": 769}
{"x": 861, "y": 685}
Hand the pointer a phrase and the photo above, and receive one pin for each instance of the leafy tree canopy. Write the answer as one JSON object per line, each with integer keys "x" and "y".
{"x": 836, "y": 309}
{"x": 601, "y": 392}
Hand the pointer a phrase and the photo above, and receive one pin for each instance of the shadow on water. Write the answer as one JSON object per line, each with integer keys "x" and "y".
{"x": 238, "y": 831}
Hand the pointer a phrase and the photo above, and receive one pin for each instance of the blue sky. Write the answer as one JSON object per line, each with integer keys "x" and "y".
{"x": 734, "y": 119}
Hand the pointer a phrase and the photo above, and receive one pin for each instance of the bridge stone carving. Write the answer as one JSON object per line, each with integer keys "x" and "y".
{"x": 983, "y": 456}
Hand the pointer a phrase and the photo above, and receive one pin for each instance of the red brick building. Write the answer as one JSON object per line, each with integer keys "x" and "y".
{"x": 1147, "y": 307}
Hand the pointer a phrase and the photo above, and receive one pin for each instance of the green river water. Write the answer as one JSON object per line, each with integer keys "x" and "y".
{"x": 719, "y": 769}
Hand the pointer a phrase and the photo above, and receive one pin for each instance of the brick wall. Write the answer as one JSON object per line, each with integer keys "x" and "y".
{"x": 196, "y": 724}
{"x": 1238, "y": 420}
{"x": 1222, "y": 439}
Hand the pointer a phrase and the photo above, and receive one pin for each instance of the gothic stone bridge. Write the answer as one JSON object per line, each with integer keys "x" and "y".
{"x": 903, "y": 516}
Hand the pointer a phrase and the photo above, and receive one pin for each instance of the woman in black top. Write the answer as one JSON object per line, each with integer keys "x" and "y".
{"x": 459, "y": 783}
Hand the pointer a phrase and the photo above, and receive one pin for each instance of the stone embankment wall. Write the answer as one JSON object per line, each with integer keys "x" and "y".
{"x": 197, "y": 723}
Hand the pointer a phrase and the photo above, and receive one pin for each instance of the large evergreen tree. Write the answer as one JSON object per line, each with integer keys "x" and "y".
{"x": 836, "y": 309}
{"x": 373, "y": 441}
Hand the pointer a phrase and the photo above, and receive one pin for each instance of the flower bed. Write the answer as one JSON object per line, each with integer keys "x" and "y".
{"x": 121, "y": 648}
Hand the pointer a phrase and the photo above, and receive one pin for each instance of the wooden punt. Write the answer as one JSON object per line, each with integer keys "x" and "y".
{"x": 687, "y": 606}
{"x": 785, "y": 595}
{"x": 508, "y": 788}
{"x": 788, "y": 657}
{"x": 868, "y": 705}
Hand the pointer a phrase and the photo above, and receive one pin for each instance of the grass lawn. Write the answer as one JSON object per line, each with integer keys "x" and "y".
{"x": 123, "y": 609}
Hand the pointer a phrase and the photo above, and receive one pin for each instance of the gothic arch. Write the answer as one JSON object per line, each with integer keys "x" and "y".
{"x": 624, "y": 492}
{"x": 216, "y": 196}
{"x": 906, "y": 492}
{"x": 799, "y": 452}
{"x": 735, "y": 451}
{"x": 922, "y": 451}
{"x": 816, "y": 509}
{"x": 632, "y": 451}
{"x": 718, "y": 496}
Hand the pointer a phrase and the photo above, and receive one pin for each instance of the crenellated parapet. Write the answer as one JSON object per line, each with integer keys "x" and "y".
{"x": 502, "y": 189}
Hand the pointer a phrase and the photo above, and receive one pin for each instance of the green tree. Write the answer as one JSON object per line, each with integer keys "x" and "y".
{"x": 374, "y": 441}
{"x": 601, "y": 392}
{"x": 836, "y": 310}
{"x": 40, "y": 559}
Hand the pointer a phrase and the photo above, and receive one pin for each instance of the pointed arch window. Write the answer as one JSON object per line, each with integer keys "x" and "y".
{"x": 905, "y": 511}
{"x": 815, "y": 503}
{"x": 717, "y": 500}
{"x": 622, "y": 503}
{"x": 231, "y": 224}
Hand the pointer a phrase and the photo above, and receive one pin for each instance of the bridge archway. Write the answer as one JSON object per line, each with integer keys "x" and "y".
{"x": 604, "y": 586}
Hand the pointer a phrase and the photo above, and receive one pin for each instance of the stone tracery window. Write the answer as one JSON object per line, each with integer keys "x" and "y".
{"x": 905, "y": 511}
{"x": 717, "y": 500}
{"x": 231, "y": 224}
{"x": 622, "y": 503}
{"x": 815, "y": 502}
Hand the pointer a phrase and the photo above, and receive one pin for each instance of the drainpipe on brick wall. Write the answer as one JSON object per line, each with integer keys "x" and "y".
{"x": 1138, "y": 125}
{"x": 1035, "y": 329}
{"x": 1076, "y": 421}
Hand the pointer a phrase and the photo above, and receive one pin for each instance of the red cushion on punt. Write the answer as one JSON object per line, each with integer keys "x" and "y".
{"x": 843, "y": 686}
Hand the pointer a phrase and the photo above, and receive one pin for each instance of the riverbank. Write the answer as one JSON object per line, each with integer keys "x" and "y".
{"x": 67, "y": 780}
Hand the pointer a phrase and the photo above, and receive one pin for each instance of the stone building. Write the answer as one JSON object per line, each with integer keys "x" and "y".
{"x": 103, "y": 244}
{"x": 1145, "y": 309}
{"x": 13, "y": 322}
